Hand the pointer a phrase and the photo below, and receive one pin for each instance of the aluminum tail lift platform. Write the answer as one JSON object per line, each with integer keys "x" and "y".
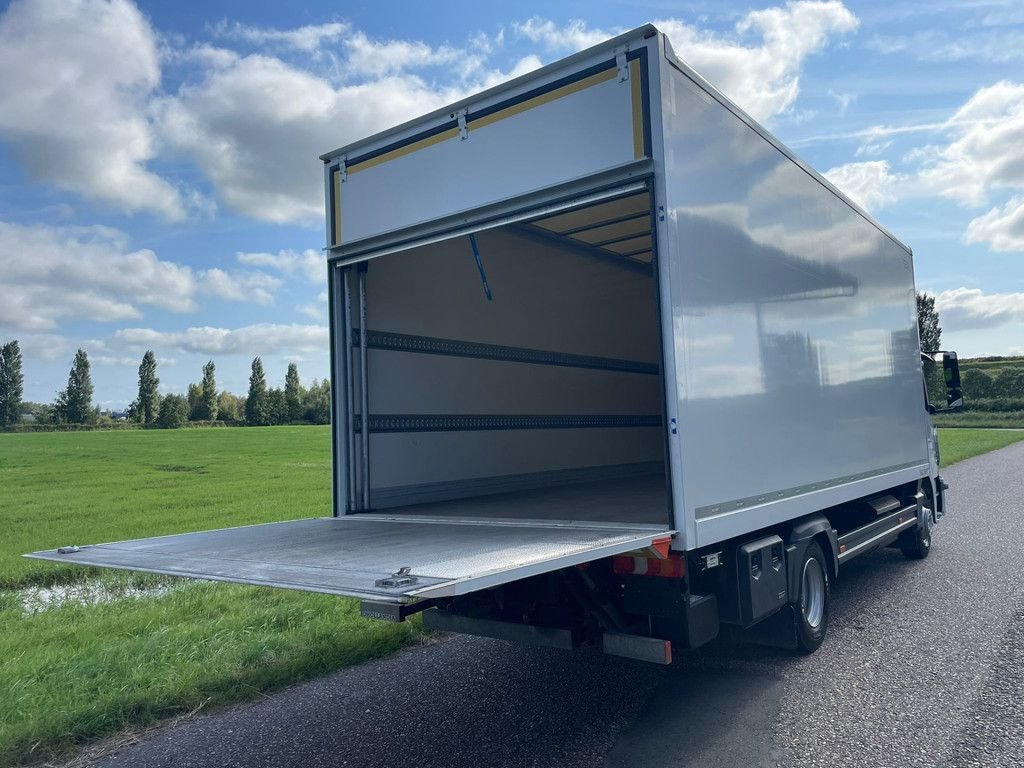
{"x": 396, "y": 565}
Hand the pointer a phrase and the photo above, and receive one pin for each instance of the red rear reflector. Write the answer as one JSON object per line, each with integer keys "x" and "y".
{"x": 660, "y": 546}
{"x": 672, "y": 567}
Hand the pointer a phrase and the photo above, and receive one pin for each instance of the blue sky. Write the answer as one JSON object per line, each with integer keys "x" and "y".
{"x": 160, "y": 188}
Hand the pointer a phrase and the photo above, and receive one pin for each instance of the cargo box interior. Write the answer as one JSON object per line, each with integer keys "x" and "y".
{"x": 512, "y": 374}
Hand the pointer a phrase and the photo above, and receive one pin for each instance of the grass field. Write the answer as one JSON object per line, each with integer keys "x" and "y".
{"x": 959, "y": 444}
{"x": 125, "y": 650}
{"x": 78, "y": 671}
{"x": 981, "y": 419}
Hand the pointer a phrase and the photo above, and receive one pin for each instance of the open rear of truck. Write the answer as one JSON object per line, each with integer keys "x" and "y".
{"x": 498, "y": 400}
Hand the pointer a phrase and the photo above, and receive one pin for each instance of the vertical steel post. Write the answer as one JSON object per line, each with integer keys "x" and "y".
{"x": 349, "y": 395}
{"x": 339, "y": 418}
{"x": 363, "y": 390}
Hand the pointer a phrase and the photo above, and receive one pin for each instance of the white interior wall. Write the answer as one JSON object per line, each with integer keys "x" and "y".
{"x": 544, "y": 297}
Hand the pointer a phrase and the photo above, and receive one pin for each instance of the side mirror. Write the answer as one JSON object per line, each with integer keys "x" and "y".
{"x": 951, "y": 377}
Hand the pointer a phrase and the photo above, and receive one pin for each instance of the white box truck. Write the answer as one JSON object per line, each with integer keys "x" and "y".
{"x": 611, "y": 367}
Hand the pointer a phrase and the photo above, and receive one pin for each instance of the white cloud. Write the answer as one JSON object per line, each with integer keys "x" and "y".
{"x": 758, "y": 66}
{"x": 987, "y": 45}
{"x": 380, "y": 58}
{"x": 54, "y": 273}
{"x": 308, "y": 38}
{"x": 987, "y": 150}
{"x": 259, "y": 339}
{"x": 574, "y": 36}
{"x": 844, "y": 100}
{"x": 872, "y": 148}
{"x": 256, "y": 127}
{"x": 963, "y": 308}
{"x": 763, "y": 77}
{"x": 254, "y": 287}
{"x": 311, "y": 263}
{"x": 871, "y": 184}
{"x": 75, "y": 77}
{"x": 1002, "y": 228}
{"x": 64, "y": 273}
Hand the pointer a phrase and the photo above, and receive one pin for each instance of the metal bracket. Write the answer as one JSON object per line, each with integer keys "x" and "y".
{"x": 463, "y": 130}
{"x": 399, "y": 578}
{"x": 342, "y": 169}
{"x": 622, "y": 64}
{"x": 369, "y": 609}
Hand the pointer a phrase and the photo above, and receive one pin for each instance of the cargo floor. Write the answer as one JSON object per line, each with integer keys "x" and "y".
{"x": 631, "y": 500}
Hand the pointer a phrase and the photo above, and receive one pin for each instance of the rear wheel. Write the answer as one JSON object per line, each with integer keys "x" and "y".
{"x": 812, "y": 608}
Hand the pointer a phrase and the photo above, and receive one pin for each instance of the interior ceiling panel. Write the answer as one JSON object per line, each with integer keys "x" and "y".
{"x": 621, "y": 228}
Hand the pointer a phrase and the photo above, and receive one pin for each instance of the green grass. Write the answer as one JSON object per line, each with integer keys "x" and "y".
{"x": 76, "y": 672}
{"x": 84, "y": 487}
{"x": 959, "y": 444}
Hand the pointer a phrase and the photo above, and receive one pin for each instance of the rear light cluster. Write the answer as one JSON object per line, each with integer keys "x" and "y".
{"x": 671, "y": 567}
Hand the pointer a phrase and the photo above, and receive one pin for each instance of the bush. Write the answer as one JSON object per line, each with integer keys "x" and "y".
{"x": 993, "y": 404}
{"x": 173, "y": 412}
{"x": 112, "y": 426}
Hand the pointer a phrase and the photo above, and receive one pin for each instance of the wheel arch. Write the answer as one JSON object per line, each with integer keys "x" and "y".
{"x": 798, "y": 537}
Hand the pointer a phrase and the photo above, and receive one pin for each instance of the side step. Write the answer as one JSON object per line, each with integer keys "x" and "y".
{"x": 874, "y": 534}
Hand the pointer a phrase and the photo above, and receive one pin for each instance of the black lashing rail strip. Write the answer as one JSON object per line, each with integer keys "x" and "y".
{"x": 384, "y": 423}
{"x": 429, "y": 345}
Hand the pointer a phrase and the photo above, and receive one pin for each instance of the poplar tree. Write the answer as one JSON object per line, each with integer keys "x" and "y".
{"x": 74, "y": 404}
{"x": 293, "y": 393}
{"x": 148, "y": 402}
{"x": 208, "y": 396}
{"x": 256, "y": 405}
{"x": 928, "y": 324}
{"x": 11, "y": 383}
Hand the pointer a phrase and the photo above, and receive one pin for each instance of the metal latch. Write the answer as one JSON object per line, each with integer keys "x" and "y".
{"x": 399, "y": 578}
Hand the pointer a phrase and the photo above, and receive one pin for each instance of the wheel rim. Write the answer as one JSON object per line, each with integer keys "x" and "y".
{"x": 812, "y": 598}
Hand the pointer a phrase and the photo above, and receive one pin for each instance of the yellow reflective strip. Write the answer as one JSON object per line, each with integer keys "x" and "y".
{"x": 337, "y": 207}
{"x": 536, "y": 101}
{"x": 545, "y": 98}
{"x": 407, "y": 149}
{"x": 638, "y": 108}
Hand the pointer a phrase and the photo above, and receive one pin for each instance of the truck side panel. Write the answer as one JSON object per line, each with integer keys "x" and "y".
{"x": 794, "y": 329}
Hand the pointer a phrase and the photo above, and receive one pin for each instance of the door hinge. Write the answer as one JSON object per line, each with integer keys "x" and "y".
{"x": 463, "y": 130}
{"x": 343, "y": 169}
{"x": 622, "y": 64}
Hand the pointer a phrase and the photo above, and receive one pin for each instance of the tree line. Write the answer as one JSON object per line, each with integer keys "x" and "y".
{"x": 203, "y": 402}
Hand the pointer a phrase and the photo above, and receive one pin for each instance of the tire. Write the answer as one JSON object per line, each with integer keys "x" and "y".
{"x": 811, "y": 610}
{"x": 918, "y": 541}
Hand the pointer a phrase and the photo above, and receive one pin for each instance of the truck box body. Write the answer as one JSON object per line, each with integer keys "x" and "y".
{"x": 594, "y": 310}
{"x": 787, "y": 336}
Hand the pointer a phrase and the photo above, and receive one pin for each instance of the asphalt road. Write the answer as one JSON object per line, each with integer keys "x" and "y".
{"x": 923, "y": 666}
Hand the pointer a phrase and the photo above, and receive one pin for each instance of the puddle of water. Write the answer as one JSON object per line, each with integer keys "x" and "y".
{"x": 38, "y": 599}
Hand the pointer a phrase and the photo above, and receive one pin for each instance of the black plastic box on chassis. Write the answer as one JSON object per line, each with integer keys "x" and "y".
{"x": 761, "y": 570}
